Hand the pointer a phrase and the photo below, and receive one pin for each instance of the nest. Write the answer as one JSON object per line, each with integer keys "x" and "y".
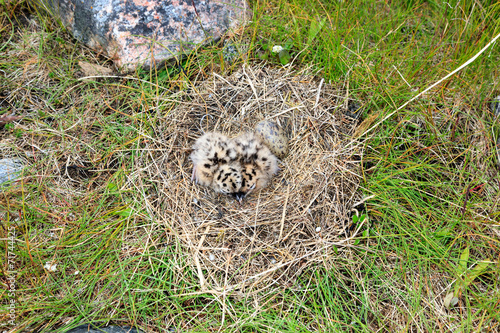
{"x": 279, "y": 231}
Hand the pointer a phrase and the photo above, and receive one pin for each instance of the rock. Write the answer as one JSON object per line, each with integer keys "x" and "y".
{"x": 10, "y": 168}
{"x": 135, "y": 32}
{"x": 8, "y": 119}
{"x": 89, "y": 328}
{"x": 89, "y": 69}
{"x": 495, "y": 106}
{"x": 353, "y": 110}
{"x": 450, "y": 300}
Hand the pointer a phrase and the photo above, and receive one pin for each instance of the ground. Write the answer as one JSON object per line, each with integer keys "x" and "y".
{"x": 106, "y": 227}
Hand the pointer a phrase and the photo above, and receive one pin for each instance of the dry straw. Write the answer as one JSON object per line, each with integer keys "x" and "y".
{"x": 287, "y": 227}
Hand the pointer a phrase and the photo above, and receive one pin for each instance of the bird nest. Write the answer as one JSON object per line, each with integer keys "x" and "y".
{"x": 305, "y": 212}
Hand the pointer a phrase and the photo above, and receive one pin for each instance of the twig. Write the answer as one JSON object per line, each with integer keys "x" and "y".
{"x": 284, "y": 212}
{"x": 319, "y": 93}
{"x": 197, "y": 260}
{"x": 285, "y": 111}
{"x": 251, "y": 84}
{"x": 467, "y": 63}
{"x": 401, "y": 76}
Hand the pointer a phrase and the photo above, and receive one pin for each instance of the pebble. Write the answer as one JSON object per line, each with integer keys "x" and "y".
{"x": 353, "y": 110}
{"x": 10, "y": 169}
{"x": 495, "y": 106}
{"x": 229, "y": 52}
{"x": 50, "y": 267}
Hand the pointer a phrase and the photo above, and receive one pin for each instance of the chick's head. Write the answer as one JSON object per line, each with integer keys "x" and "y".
{"x": 253, "y": 179}
{"x": 227, "y": 179}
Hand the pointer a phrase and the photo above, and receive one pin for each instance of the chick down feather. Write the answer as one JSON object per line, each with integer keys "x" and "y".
{"x": 215, "y": 163}
{"x": 258, "y": 163}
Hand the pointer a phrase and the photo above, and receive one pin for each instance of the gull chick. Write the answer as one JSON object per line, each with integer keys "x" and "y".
{"x": 258, "y": 164}
{"x": 228, "y": 178}
{"x": 214, "y": 163}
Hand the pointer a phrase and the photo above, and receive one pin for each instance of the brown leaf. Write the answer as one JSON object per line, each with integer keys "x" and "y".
{"x": 7, "y": 119}
{"x": 94, "y": 70}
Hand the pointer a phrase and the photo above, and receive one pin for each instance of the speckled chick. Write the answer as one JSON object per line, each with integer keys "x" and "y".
{"x": 258, "y": 163}
{"x": 211, "y": 152}
{"x": 228, "y": 178}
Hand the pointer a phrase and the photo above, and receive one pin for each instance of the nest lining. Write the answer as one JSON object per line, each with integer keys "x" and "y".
{"x": 306, "y": 208}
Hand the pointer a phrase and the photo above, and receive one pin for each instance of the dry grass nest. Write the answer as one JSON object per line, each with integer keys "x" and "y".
{"x": 279, "y": 231}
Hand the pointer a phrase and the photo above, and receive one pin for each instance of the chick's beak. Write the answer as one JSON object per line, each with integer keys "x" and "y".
{"x": 239, "y": 196}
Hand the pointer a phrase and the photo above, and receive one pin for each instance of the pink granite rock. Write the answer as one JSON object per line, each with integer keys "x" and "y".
{"x": 141, "y": 32}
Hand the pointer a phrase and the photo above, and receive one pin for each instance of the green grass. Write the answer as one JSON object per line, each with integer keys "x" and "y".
{"x": 420, "y": 166}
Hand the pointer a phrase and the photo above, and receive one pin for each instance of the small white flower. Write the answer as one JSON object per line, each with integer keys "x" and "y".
{"x": 318, "y": 229}
{"x": 277, "y": 48}
{"x": 76, "y": 272}
{"x": 50, "y": 267}
{"x": 211, "y": 257}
